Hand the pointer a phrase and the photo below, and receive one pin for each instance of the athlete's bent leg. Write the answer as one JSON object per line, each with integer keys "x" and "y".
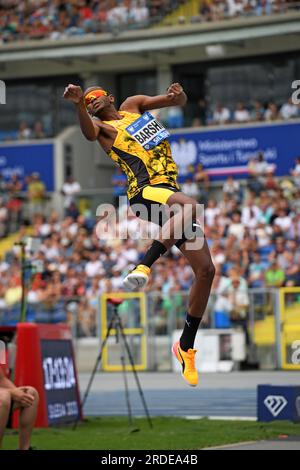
{"x": 204, "y": 270}
{"x": 171, "y": 233}
{"x": 27, "y": 419}
{"x": 5, "y": 401}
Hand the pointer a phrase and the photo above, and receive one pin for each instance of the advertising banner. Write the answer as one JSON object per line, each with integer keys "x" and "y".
{"x": 227, "y": 151}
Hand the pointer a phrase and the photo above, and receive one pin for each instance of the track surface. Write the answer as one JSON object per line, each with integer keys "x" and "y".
{"x": 166, "y": 394}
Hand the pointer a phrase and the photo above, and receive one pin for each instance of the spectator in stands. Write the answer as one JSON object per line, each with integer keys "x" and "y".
{"x": 232, "y": 188}
{"x": 262, "y": 7}
{"x": 271, "y": 113}
{"x": 139, "y": 14}
{"x": 258, "y": 111}
{"x": 12, "y": 398}
{"x": 288, "y": 110}
{"x": 283, "y": 220}
{"x": 24, "y": 131}
{"x": 263, "y": 233}
{"x": 94, "y": 291}
{"x": 265, "y": 205}
{"x": 3, "y": 218}
{"x": 287, "y": 187}
{"x": 280, "y": 6}
{"x": 237, "y": 292}
{"x": 237, "y": 228}
{"x": 190, "y": 188}
{"x": 270, "y": 183}
{"x": 296, "y": 172}
{"x": 72, "y": 211}
{"x": 227, "y": 204}
{"x": 251, "y": 214}
{"x": 205, "y": 10}
{"x": 74, "y": 21}
{"x": 218, "y": 255}
{"x": 258, "y": 170}
{"x": 100, "y": 17}
{"x": 241, "y": 114}
{"x": 86, "y": 319}
{"x": 94, "y": 266}
{"x": 70, "y": 190}
{"x": 117, "y": 14}
{"x": 274, "y": 276}
{"x": 15, "y": 202}
{"x": 13, "y": 291}
{"x": 292, "y": 270}
{"x": 38, "y": 130}
{"x": 221, "y": 115}
{"x": 174, "y": 117}
{"x": 294, "y": 231}
{"x": 235, "y": 7}
{"x": 219, "y": 10}
{"x": 196, "y": 122}
{"x": 86, "y": 9}
{"x": 36, "y": 195}
{"x": 202, "y": 180}
{"x": 3, "y": 187}
{"x": 233, "y": 299}
{"x": 257, "y": 270}
{"x": 211, "y": 212}
{"x": 201, "y": 113}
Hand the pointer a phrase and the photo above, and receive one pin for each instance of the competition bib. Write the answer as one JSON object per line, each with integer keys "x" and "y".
{"x": 147, "y": 131}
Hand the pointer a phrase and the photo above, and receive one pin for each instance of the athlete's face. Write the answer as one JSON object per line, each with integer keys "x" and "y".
{"x": 97, "y": 100}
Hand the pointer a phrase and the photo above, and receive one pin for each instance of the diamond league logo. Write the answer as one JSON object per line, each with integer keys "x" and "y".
{"x": 275, "y": 404}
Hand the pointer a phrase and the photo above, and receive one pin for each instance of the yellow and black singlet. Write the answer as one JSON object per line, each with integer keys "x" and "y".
{"x": 142, "y": 167}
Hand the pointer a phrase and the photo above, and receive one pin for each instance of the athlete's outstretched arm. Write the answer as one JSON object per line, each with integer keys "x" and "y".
{"x": 175, "y": 96}
{"x": 89, "y": 129}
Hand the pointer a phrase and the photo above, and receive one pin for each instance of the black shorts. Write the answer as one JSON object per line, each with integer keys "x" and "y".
{"x": 152, "y": 197}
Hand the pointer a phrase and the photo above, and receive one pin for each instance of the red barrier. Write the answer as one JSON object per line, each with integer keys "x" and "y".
{"x": 45, "y": 360}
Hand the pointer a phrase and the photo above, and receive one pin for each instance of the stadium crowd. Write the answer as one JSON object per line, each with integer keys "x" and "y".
{"x": 253, "y": 234}
{"x": 205, "y": 115}
{"x": 217, "y": 10}
{"x": 242, "y": 113}
{"x": 39, "y": 19}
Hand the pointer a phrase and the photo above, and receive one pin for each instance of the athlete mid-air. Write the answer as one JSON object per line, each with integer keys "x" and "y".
{"x": 138, "y": 144}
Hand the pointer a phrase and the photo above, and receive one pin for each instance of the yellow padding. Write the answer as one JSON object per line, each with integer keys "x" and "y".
{"x": 157, "y": 194}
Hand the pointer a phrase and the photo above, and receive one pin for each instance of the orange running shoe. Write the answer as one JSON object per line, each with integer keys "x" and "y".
{"x": 187, "y": 361}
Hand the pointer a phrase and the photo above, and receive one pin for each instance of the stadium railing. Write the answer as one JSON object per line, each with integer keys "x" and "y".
{"x": 273, "y": 322}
